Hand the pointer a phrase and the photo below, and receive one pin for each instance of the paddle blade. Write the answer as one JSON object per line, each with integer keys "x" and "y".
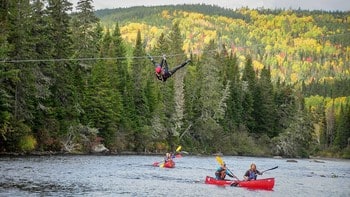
{"x": 274, "y": 168}
{"x": 178, "y": 149}
{"x": 220, "y": 161}
{"x": 161, "y": 165}
{"x": 269, "y": 169}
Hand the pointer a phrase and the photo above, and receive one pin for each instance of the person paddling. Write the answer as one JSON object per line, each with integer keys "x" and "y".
{"x": 222, "y": 171}
{"x": 168, "y": 157}
{"x": 252, "y": 173}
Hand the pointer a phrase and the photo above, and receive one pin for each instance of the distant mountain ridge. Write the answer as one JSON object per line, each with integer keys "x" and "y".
{"x": 298, "y": 45}
{"x": 133, "y": 13}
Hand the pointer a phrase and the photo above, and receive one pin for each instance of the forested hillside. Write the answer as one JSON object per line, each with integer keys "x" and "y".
{"x": 261, "y": 82}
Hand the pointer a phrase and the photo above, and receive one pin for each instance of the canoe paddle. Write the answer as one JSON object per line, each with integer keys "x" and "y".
{"x": 177, "y": 150}
{"x": 269, "y": 169}
{"x": 221, "y": 162}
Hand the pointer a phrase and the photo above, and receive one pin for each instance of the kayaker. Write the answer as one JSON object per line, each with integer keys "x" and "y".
{"x": 221, "y": 172}
{"x": 252, "y": 173}
{"x": 168, "y": 157}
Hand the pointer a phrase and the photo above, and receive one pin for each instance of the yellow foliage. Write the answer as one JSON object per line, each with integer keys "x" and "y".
{"x": 225, "y": 20}
{"x": 293, "y": 77}
{"x": 280, "y": 59}
{"x": 184, "y": 13}
{"x": 196, "y": 16}
{"x": 27, "y": 143}
{"x": 165, "y": 14}
{"x": 257, "y": 65}
{"x": 209, "y": 35}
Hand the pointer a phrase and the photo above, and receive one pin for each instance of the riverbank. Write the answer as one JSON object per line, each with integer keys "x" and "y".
{"x": 52, "y": 153}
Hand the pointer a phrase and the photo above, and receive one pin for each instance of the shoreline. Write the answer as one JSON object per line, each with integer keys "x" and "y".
{"x": 126, "y": 153}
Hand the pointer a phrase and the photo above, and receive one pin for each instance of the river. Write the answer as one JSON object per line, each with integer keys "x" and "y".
{"x": 135, "y": 176}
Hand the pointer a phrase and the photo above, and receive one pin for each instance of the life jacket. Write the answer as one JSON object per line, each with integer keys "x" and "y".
{"x": 252, "y": 175}
{"x": 220, "y": 173}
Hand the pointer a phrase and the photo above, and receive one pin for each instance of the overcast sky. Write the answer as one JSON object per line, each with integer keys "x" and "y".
{"x": 328, "y": 5}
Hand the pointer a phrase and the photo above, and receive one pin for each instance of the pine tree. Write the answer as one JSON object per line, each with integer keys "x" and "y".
{"x": 284, "y": 100}
{"x": 234, "y": 111}
{"x": 105, "y": 43}
{"x": 40, "y": 30}
{"x": 175, "y": 46}
{"x": 249, "y": 85}
{"x": 162, "y": 46}
{"x": 297, "y": 137}
{"x": 8, "y": 76}
{"x": 210, "y": 100}
{"x": 331, "y": 125}
{"x": 124, "y": 84}
{"x": 264, "y": 106}
{"x": 138, "y": 94}
{"x": 84, "y": 37}
{"x": 23, "y": 89}
{"x": 60, "y": 33}
{"x": 343, "y": 127}
{"x": 65, "y": 97}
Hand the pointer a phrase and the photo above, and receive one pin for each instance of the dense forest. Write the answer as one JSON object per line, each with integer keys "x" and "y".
{"x": 261, "y": 83}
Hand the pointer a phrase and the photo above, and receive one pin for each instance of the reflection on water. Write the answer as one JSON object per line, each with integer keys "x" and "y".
{"x": 135, "y": 176}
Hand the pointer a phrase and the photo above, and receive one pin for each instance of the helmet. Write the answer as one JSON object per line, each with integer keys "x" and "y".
{"x": 158, "y": 69}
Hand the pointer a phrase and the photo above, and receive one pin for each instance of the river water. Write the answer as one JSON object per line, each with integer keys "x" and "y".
{"x": 135, "y": 176}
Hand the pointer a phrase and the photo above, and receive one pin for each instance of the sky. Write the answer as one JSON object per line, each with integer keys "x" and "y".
{"x": 326, "y": 5}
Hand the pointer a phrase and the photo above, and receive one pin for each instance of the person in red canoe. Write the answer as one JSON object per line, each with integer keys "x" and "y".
{"x": 222, "y": 171}
{"x": 162, "y": 70}
{"x": 167, "y": 157}
{"x": 252, "y": 173}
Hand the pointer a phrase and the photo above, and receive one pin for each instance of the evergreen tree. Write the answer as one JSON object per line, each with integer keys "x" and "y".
{"x": 60, "y": 33}
{"x": 124, "y": 84}
{"x": 8, "y": 76}
{"x": 138, "y": 94}
{"x": 323, "y": 131}
{"x": 296, "y": 139}
{"x": 284, "y": 100}
{"x": 85, "y": 43}
{"x": 105, "y": 43}
{"x": 64, "y": 91}
{"x": 234, "y": 111}
{"x": 331, "y": 125}
{"x": 175, "y": 46}
{"x": 192, "y": 110}
{"x": 343, "y": 127}
{"x": 22, "y": 91}
{"x": 249, "y": 84}
{"x": 264, "y": 106}
{"x": 162, "y": 46}
{"x": 42, "y": 45}
{"x": 210, "y": 100}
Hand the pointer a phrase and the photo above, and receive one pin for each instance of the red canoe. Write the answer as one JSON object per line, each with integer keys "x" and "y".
{"x": 252, "y": 184}
{"x": 168, "y": 164}
{"x": 214, "y": 181}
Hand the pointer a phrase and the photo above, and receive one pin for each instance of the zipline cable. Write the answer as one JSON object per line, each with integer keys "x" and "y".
{"x": 139, "y": 57}
{"x": 91, "y": 59}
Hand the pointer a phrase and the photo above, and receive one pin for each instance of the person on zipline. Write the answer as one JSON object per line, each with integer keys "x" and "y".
{"x": 162, "y": 69}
